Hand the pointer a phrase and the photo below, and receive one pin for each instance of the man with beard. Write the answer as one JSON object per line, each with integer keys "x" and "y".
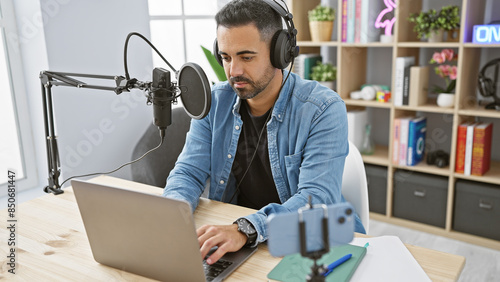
{"x": 271, "y": 139}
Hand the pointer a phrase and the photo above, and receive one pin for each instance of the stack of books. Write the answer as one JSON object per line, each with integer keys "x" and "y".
{"x": 409, "y": 140}
{"x": 473, "y": 154}
{"x": 303, "y": 64}
{"x": 358, "y": 20}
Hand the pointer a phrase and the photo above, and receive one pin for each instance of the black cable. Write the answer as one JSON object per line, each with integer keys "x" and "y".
{"x": 162, "y": 133}
{"x": 127, "y": 76}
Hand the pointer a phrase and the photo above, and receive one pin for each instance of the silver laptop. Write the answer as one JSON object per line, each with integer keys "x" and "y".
{"x": 146, "y": 234}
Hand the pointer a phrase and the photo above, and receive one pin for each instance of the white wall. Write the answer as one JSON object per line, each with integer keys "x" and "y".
{"x": 96, "y": 129}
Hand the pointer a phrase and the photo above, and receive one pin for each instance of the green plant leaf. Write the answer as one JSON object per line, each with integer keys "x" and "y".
{"x": 218, "y": 69}
{"x": 321, "y": 13}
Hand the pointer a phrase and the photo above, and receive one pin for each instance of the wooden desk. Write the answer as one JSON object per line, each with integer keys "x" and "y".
{"x": 52, "y": 244}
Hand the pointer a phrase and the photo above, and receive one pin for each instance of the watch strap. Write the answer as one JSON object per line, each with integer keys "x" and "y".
{"x": 252, "y": 237}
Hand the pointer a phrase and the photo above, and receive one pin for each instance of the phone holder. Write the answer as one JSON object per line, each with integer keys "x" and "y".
{"x": 316, "y": 270}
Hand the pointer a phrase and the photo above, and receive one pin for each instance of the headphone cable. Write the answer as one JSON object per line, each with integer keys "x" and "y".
{"x": 260, "y": 137}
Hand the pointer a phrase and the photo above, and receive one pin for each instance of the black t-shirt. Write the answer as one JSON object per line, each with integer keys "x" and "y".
{"x": 257, "y": 188}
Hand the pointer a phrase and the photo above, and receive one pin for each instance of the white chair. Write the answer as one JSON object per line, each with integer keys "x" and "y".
{"x": 354, "y": 184}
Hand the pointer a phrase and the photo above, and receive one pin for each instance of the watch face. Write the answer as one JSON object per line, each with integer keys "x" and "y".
{"x": 245, "y": 226}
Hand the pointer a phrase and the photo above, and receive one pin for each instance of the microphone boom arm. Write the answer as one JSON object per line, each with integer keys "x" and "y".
{"x": 49, "y": 79}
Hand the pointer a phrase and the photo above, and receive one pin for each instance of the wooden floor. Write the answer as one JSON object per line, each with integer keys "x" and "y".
{"x": 482, "y": 264}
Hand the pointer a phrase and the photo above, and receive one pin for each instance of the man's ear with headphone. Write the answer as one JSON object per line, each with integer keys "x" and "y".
{"x": 283, "y": 44}
{"x": 487, "y": 86}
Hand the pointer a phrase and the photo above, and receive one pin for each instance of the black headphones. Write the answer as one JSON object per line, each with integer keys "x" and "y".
{"x": 284, "y": 43}
{"x": 486, "y": 86}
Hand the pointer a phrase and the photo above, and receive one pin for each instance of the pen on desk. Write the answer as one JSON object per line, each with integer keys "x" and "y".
{"x": 336, "y": 263}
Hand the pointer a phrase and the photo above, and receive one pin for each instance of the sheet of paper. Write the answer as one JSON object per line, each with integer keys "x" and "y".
{"x": 387, "y": 259}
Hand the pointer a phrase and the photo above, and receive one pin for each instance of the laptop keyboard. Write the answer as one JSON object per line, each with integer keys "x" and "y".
{"x": 213, "y": 270}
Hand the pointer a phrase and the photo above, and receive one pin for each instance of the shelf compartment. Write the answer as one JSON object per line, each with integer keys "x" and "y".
{"x": 379, "y": 157}
{"x": 492, "y": 176}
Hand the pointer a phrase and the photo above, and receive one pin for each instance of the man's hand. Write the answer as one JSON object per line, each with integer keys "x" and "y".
{"x": 226, "y": 237}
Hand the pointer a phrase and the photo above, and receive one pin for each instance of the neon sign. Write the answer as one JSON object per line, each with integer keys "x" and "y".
{"x": 486, "y": 34}
{"x": 390, "y": 5}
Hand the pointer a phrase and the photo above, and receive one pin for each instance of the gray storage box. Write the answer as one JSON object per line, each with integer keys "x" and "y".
{"x": 376, "y": 177}
{"x": 420, "y": 197}
{"x": 477, "y": 209}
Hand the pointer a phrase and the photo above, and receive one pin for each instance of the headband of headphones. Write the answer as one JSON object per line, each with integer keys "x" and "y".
{"x": 283, "y": 44}
{"x": 489, "y": 64}
{"x": 287, "y": 16}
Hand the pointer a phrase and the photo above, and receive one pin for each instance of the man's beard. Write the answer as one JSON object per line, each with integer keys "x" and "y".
{"x": 253, "y": 88}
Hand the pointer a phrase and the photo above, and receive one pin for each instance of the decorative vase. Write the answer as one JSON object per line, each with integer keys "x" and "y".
{"x": 446, "y": 100}
{"x": 368, "y": 147}
{"x": 329, "y": 84}
{"x": 321, "y": 31}
{"x": 436, "y": 36}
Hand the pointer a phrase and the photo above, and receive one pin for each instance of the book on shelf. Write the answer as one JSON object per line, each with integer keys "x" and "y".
{"x": 416, "y": 140}
{"x": 304, "y": 63}
{"x": 469, "y": 141}
{"x": 351, "y": 20}
{"x": 370, "y": 10}
{"x": 344, "y": 21}
{"x": 406, "y": 86}
{"x": 481, "y": 149}
{"x": 403, "y": 140}
{"x": 399, "y": 81}
{"x": 395, "y": 141}
{"x": 461, "y": 143}
{"x": 357, "y": 21}
{"x": 419, "y": 81}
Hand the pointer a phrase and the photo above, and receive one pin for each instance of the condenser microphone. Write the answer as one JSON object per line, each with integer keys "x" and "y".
{"x": 195, "y": 90}
{"x": 162, "y": 93}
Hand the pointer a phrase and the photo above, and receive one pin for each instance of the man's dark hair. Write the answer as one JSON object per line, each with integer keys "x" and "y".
{"x": 242, "y": 12}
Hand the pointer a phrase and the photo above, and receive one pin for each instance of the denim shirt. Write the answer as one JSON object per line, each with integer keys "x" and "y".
{"x": 307, "y": 143}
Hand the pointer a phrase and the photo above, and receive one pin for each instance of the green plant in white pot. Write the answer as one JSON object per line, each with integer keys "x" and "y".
{"x": 321, "y": 23}
{"x": 324, "y": 73}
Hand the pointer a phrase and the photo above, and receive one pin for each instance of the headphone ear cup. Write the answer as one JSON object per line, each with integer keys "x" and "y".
{"x": 486, "y": 86}
{"x": 216, "y": 52}
{"x": 280, "y": 50}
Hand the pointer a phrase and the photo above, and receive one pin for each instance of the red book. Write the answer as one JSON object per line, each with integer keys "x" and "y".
{"x": 481, "y": 149}
{"x": 344, "y": 20}
{"x": 460, "y": 154}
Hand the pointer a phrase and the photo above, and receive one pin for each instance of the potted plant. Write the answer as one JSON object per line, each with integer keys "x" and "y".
{"x": 449, "y": 20}
{"x": 427, "y": 25}
{"x": 432, "y": 24}
{"x": 446, "y": 97}
{"x": 324, "y": 73}
{"x": 321, "y": 23}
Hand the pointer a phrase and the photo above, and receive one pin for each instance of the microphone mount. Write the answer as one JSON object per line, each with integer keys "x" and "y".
{"x": 51, "y": 78}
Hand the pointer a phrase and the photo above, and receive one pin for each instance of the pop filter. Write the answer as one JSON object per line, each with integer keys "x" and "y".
{"x": 195, "y": 90}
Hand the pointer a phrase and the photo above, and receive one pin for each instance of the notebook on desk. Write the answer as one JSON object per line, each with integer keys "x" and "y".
{"x": 146, "y": 234}
{"x": 295, "y": 267}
